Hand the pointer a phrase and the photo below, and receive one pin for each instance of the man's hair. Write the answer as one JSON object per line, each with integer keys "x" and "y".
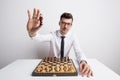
{"x": 66, "y": 15}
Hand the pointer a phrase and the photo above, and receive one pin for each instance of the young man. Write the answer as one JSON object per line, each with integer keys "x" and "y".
{"x": 61, "y": 41}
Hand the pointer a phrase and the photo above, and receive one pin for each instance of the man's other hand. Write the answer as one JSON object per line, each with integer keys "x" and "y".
{"x": 85, "y": 69}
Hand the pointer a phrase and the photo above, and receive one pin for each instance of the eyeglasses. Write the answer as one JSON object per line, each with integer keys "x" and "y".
{"x": 64, "y": 23}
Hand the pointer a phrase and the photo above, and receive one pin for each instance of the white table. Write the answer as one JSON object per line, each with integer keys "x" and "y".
{"x": 22, "y": 69}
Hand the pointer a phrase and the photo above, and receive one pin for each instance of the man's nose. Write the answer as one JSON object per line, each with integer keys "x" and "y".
{"x": 65, "y": 26}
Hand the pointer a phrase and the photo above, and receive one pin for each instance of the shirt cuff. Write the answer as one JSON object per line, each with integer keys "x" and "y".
{"x": 35, "y": 37}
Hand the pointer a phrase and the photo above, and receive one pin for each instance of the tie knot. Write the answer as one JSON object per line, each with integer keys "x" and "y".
{"x": 62, "y": 37}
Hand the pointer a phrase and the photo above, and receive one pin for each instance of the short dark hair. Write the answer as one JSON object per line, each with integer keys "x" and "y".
{"x": 66, "y": 15}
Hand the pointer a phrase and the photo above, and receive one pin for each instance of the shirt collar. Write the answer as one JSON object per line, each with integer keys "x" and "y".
{"x": 67, "y": 35}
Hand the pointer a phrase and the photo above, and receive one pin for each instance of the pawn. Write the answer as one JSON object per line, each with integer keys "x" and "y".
{"x": 53, "y": 69}
{"x": 68, "y": 59}
{"x": 51, "y": 59}
{"x": 65, "y": 59}
{"x": 45, "y": 59}
{"x": 57, "y": 68}
{"x": 47, "y": 69}
{"x": 71, "y": 69}
{"x": 39, "y": 69}
{"x": 48, "y": 59}
{"x": 61, "y": 68}
{"x": 65, "y": 67}
{"x": 62, "y": 60}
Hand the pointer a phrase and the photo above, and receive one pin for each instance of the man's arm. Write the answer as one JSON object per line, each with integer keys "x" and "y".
{"x": 78, "y": 52}
{"x": 83, "y": 65}
{"x": 34, "y": 24}
{"x": 42, "y": 37}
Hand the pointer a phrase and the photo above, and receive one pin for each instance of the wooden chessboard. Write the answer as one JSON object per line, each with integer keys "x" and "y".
{"x": 55, "y": 67}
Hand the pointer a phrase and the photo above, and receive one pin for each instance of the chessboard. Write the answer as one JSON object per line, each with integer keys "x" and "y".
{"x": 52, "y": 66}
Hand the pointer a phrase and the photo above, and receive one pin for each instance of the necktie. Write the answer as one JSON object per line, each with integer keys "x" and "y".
{"x": 62, "y": 46}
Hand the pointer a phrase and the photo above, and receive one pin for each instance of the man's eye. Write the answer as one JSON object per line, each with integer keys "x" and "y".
{"x": 68, "y": 24}
{"x": 63, "y": 23}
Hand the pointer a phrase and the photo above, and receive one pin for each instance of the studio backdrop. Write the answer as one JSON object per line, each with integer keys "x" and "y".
{"x": 96, "y": 23}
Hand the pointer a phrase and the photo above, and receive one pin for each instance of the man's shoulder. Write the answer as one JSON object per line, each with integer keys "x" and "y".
{"x": 54, "y": 32}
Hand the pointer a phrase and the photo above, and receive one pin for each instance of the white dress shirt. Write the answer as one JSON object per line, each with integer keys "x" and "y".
{"x": 55, "y": 44}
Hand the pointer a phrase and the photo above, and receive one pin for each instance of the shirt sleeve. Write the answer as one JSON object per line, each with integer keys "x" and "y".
{"x": 42, "y": 37}
{"x": 78, "y": 52}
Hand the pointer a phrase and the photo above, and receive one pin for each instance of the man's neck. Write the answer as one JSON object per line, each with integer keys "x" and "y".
{"x": 63, "y": 34}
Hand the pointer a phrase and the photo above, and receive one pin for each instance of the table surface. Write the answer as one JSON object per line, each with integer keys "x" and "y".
{"x": 22, "y": 69}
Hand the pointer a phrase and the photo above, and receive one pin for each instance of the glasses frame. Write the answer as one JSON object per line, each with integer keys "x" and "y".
{"x": 64, "y": 23}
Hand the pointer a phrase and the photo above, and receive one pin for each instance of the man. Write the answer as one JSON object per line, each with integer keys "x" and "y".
{"x": 56, "y": 38}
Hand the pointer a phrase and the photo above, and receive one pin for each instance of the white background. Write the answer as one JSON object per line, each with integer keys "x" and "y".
{"x": 97, "y": 23}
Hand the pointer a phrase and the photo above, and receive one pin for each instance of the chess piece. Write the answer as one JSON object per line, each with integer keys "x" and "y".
{"x": 62, "y": 60}
{"x": 44, "y": 59}
{"x": 41, "y": 68}
{"x": 71, "y": 69}
{"x": 68, "y": 60}
{"x": 51, "y": 59}
{"x": 47, "y": 69}
{"x": 65, "y": 59}
{"x": 65, "y": 68}
{"x": 53, "y": 69}
{"x": 50, "y": 68}
{"x": 48, "y": 59}
{"x": 61, "y": 68}
{"x": 57, "y": 68}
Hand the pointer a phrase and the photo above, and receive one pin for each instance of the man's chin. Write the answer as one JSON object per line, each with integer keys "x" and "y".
{"x": 65, "y": 32}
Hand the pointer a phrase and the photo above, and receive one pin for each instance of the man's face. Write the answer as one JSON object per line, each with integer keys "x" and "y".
{"x": 65, "y": 25}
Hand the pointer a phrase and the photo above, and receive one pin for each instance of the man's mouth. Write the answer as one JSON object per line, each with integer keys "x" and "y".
{"x": 64, "y": 29}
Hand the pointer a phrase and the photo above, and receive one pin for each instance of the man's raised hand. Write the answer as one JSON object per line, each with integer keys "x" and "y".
{"x": 34, "y": 23}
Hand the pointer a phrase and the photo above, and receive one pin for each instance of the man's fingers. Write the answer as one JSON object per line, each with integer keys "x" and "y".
{"x": 35, "y": 13}
{"x": 38, "y": 14}
{"x": 86, "y": 71}
{"x": 29, "y": 15}
{"x": 90, "y": 73}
